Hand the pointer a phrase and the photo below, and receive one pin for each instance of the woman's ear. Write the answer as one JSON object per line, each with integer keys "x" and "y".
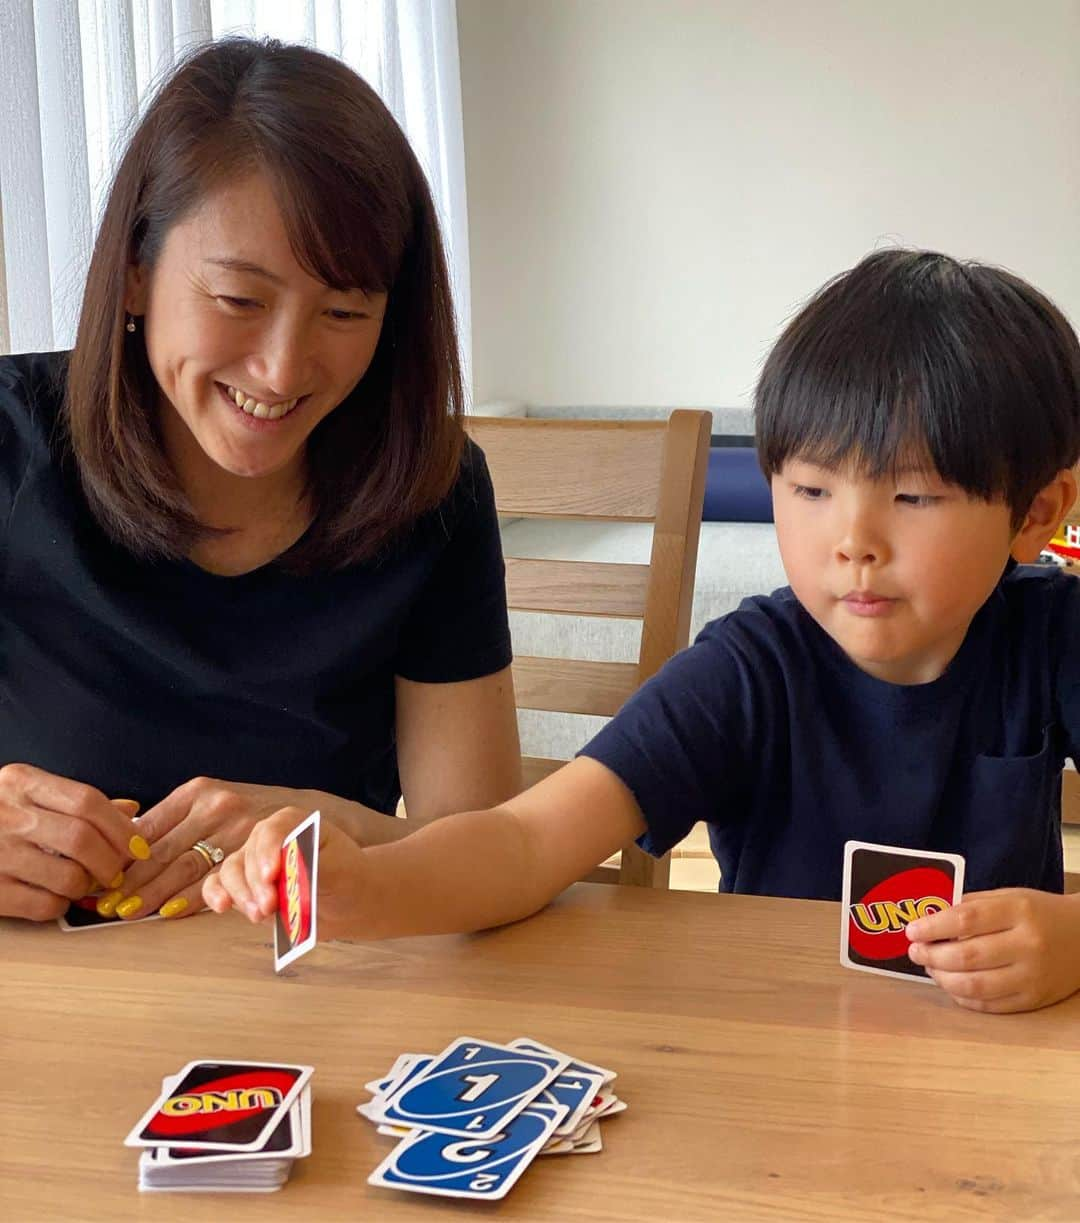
{"x": 136, "y": 287}
{"x": 1044, "y": 516}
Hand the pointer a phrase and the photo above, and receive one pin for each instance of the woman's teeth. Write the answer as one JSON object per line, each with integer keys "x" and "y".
{"x": 255, "y": 407}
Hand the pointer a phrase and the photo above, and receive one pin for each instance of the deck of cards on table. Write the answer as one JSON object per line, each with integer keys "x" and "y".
{"x": 225, "y": 1127}
{"x": 471, "y": 1119}
{"x": 886, "y": 887}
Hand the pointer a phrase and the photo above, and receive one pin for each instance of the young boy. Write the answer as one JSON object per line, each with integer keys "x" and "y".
{"x": 913, "y": 686}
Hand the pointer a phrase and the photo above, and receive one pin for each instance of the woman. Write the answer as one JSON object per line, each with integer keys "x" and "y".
{"x": 245, "y": 536}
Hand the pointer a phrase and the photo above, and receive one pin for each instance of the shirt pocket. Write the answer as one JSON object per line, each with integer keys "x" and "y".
{"x": 1012, "y": 834}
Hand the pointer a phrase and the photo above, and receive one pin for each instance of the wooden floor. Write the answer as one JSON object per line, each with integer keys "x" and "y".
{"x": 693, "y": 868}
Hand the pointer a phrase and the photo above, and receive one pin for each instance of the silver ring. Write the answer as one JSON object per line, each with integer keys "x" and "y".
{"x": 211, "y": 855}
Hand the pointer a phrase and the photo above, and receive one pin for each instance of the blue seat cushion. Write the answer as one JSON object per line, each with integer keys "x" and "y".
{"x": 735, "y": 489}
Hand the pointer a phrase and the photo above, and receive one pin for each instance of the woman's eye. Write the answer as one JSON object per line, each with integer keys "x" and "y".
{"x": 239, "y": 303}
{"x": 345, "y": 316}
{"x": 809, "y": 492}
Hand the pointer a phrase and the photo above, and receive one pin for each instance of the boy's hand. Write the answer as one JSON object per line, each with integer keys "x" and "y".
{"x": 247, "y": 879}
{"x": 1013, "y": 949}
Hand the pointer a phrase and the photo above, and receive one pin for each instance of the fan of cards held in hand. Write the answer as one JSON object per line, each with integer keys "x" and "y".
{"x": 471, "y": 1119}
{"x": 886, "y": 887}
{"x": 225, "y": 1127}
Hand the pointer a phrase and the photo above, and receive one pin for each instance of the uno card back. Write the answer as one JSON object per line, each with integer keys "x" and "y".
{"x": 295, "y": 929}
{"x": 220, "y": 1106}
{"x": 886, "y": 887}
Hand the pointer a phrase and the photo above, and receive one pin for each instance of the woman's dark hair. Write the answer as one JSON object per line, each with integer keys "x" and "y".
{"x": 359, "y": 214}
{"x": 913, "y": 355}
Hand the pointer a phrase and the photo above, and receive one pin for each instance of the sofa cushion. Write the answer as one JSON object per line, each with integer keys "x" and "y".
{"x": 735, "y": 488}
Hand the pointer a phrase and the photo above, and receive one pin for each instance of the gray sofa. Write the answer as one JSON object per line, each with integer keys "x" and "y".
{"x": 735, "y": 559}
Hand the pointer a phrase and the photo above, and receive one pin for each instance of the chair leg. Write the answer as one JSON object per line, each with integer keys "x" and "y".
{"x": 642, "y": 870}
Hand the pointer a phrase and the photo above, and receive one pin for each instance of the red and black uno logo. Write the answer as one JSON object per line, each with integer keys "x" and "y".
{"x": 223, "y": 1104}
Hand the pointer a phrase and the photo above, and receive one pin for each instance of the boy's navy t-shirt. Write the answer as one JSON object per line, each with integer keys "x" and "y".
{"x": 135, "y": 676}
{"x": 765, "y": 730}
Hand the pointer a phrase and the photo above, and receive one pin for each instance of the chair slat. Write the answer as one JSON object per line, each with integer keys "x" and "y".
{"x": 578, "y": 470}
{"x": 1070, "y": 797}
{"x": 583, "y": 588}
{"x": 536, "y": 768}
{"x": 566, "y": 685}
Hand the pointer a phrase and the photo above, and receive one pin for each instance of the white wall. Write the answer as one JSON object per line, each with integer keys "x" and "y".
{"x": 653, "y": 185}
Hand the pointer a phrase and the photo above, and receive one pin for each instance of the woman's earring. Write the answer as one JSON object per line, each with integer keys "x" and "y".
{"x": 130, "y": 325}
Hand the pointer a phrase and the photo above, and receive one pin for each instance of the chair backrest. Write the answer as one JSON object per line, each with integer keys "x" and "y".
{"x": 622, "y": 471}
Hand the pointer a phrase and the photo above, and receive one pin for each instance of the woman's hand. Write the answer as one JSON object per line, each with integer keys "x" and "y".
{"x": 59, "y": 840}
{"x": 221, "y": 813}
{"x": 247, "y": 879}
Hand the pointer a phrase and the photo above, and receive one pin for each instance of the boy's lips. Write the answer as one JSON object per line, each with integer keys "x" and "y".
{"x": 867, "y": 603}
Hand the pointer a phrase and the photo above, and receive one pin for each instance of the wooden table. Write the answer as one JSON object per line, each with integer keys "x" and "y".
{"x": 764, "y": 1080}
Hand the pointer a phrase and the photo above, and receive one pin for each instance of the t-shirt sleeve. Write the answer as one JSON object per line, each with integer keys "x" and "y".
{"x": 16, "y": 407}
{"x": 676, "y": 742}
{"x": 458, "y": 629}
{"x": 1064, "y": 644}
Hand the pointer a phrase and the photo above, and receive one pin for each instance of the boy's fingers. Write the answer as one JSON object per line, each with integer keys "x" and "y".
{"x": 215, "y": 894}
{"x": 974, "y": 915}
{"x": 965, "y": 955}
{"x": 988, "y": 987}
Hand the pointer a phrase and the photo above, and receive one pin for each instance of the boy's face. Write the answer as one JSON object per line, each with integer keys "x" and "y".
{"x": 894, "y": 569}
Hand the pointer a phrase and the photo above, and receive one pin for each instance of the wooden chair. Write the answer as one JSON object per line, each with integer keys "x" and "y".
{"x": 1070, "y": 815}
{"x": 622, "y": 471}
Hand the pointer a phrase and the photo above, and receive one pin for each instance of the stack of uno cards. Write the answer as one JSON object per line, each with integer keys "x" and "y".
{"x": 225, "y": 1127}
{"x": 885, "y": 888}
{"x": 473, "y": 1118}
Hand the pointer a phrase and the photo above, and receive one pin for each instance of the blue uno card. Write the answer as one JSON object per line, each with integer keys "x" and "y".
{"x": 576, "y": 1091}
{"x": 472, "y": 1089}
{"x": 427, "y": 1162}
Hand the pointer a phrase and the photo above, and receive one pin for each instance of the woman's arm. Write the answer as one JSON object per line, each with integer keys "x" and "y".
{"x": 457, "y": 746}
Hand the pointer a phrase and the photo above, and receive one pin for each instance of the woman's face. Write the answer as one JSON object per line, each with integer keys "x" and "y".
{"x": 250, "y": 352}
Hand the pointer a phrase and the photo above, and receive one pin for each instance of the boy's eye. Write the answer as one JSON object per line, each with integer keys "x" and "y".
{"x": 916, "y": 498}
{"x": 810, "y": 492}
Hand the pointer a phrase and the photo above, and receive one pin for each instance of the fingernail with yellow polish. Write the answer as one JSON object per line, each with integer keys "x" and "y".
{"x": 106, "y": 906}
{"x": 139, "y": 848}
{"x": 118, "y": 880}
{"x": 172, "y": 907}
{"x": 129, "y": 907}
{"x": 128, "y": 806}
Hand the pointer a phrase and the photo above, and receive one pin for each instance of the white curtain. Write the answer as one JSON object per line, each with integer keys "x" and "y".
{"x": 75, "y": 73}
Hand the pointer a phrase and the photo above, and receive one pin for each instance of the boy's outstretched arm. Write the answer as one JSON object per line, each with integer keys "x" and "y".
{"x": 1013, "y": 949}
{"x": 461, "y": 873}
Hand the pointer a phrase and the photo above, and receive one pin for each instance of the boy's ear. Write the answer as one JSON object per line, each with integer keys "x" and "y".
{"x": 1049, "y": 507}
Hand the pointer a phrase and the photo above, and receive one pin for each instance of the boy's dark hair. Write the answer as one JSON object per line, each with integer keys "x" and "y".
{"x": 359, "y": 214}
{"x": 912, "y": 354}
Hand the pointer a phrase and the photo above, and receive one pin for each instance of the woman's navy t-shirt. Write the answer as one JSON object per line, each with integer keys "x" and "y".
{"x": 765, "y": 730}
{"x": 134, "y": 677}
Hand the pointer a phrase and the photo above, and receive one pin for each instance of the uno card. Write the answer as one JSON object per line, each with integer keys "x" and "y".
{"x": 885, "y": 888}
{"x": 220, "y": 1106}
{"x": 472, "y": 1089}
{"x": 298, "y": 890}
{"x": 427, "y": 1162}
{"x": 83, "y": 915}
